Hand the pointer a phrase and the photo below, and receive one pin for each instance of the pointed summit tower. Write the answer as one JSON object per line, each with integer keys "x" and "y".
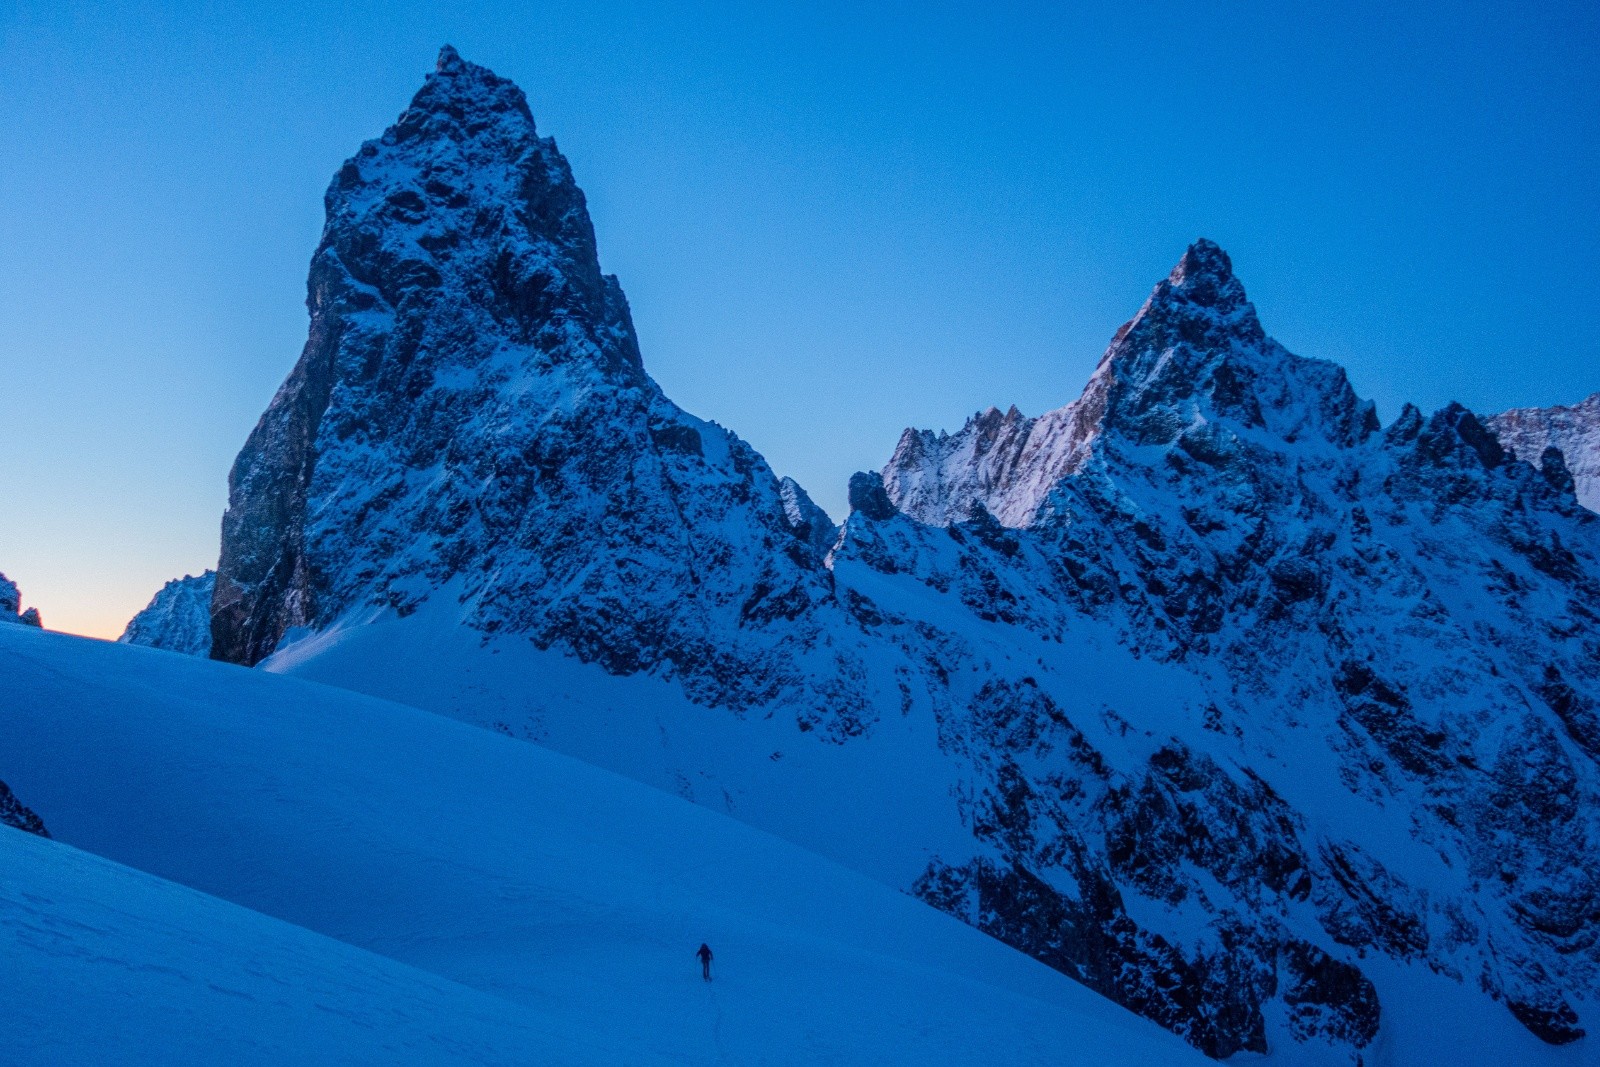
{"x": 471, "y": 411}
{"x": 1197, "y": 352}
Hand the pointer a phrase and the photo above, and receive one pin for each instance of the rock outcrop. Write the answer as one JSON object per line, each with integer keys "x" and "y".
{"x": 178, "y": 617}
{"x": 11, "y": 609}
{"x": 14, "y": 813}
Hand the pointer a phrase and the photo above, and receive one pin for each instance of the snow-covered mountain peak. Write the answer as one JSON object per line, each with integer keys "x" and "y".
{"x": 471, "y": 421}
{"x": 462, "y": 101}
{"x": 461, "y": 202}
{"x": 1204, "y": 277}
{"x": 1193, "y": 369}
{"x": 458, "y": 315}
{"x": 1196, "y": 352}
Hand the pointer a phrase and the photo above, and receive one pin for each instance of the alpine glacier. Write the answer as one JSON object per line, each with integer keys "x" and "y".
{"x": 1269, "y": 722}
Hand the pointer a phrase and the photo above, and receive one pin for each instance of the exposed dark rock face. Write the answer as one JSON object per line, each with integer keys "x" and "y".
{"x": 1327, "y": 999}
{"x": 867, "y": 497}
{"x": 1085, "y": 933}
{"x": 1071, "y": 837}
{"x": 1227, "y": 689}
{"x": 178, "y": 618}
{"x": 14, "y": 813}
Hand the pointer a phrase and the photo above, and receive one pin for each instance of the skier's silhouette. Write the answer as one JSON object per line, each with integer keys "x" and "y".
{"x": 705, "y": 961}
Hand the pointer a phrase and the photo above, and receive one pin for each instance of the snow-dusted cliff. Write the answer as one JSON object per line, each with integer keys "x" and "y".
{"x": 178, "y": 617}
{"x": 1268, "y": 722}
{"x": 1573, "y": 431}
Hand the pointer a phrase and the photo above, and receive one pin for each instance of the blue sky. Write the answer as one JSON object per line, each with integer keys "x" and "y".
{"x": 832, "y": 220}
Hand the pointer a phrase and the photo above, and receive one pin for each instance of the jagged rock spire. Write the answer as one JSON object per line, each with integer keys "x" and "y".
{"x": 867, "y": 496}
{"x": 1204, "y": 276}
{"x": 471, "y": 411}
{"x": 11, "y": 605}
{"x": 1201, "y": 302}
{"x": 1197, "y": 351}
{"x": 455, "y": 242}
{"x": 449, "y": 61}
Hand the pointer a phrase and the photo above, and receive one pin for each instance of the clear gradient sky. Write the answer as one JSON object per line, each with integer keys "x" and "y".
{"x": 832, "y": 220}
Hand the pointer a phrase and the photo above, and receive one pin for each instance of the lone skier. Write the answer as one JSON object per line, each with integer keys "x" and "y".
{"x": 705, "y": 961}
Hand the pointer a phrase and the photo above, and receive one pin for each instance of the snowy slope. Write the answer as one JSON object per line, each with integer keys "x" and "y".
{"x": 107, "y": 965}
{"x": 178, "y": 617}
{"x": 884, "y": 803}
{"x": 574, "y": 895}
{"x": 1574, "y": 431}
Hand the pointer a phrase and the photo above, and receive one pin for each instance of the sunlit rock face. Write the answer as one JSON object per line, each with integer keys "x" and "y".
{"x": 1205, "y": 688}
{"x": 1528, "y": 433}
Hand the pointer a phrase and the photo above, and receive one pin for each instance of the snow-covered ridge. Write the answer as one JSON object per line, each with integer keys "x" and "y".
{"x": 178, "y": 617}
{"x": 1574, "y": 431}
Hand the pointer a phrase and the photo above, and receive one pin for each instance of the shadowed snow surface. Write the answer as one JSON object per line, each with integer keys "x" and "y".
{"x": 554, "y": 907}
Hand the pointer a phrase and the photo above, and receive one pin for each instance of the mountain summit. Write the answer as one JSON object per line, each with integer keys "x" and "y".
{"x": 1195, "y": 357}
{"x": 471, "y": 412}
